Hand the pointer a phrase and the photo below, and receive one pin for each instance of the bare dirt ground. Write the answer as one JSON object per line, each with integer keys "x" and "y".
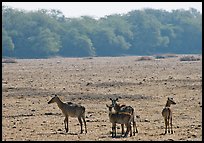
{"x": 28, "y": 85}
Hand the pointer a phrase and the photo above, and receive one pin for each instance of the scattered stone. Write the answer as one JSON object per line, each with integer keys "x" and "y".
{"x": 137, "y": 116}
{"x": 49, "y": 113}
{"x": 146, "y": 120}
{"x": 140, "y": 83}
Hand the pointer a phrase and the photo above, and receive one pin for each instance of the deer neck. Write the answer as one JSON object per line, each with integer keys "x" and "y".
{"x": 59, "y": 103}
{"x": 168, "y": 104}
{"x": 117, "y": 107}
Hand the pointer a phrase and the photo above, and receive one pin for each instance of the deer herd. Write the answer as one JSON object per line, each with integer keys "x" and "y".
{"x": 122, "y": 114}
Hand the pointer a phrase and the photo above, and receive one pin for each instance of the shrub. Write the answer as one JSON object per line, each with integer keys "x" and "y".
{"x": 160, "y": 57}
{"x": 189, "y": 58}
{"x": 171, "y": 55}
{"x": 145, "y": 58}
{"x": 9, "y": 60}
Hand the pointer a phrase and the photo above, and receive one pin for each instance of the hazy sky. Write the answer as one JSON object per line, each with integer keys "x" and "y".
{"x": 100, "y": 9}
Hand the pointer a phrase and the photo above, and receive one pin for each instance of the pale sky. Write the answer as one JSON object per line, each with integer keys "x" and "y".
{"x": 100, "y": 9}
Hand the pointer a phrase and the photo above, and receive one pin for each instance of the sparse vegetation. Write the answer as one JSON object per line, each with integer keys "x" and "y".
{"x": 28, "y": 85}
{"x": 145, "y": 58}
{"x": 189, "y": 58}
{"x": 170, "y": 55}
{"x": 9, "y": 60}
{"x": 160, "y": 57}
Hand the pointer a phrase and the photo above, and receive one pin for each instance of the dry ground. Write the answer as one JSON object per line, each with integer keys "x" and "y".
{"x": 28, "y": 85}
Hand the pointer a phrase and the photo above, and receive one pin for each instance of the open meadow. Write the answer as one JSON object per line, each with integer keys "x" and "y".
{"x": 29, "y": 84}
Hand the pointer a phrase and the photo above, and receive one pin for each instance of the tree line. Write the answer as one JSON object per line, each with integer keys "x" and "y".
{"x": 46, "y": 33}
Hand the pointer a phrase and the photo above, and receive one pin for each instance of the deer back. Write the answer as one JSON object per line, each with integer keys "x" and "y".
{"x": 73, "y": 110}
{"x": 120, "y": 118}
{"x": 166, "y": 112}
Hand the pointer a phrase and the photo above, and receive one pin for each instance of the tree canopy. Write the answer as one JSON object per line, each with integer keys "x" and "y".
{"x": 45, "y": 33}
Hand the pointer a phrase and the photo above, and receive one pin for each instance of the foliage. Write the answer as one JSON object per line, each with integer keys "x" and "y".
{"x": 44, "y": 33}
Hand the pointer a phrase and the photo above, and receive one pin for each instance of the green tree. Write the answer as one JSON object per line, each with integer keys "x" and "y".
{"x": 7, "y": 44}
{"x": 45, "y": 44}
{"x": 45, "y": 33}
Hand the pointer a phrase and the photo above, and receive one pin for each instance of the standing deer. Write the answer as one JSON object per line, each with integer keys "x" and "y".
{"x": 123, "y": 108}
{"x": 72, "y": 110}
{"x": 167, "y": 114}
{"x": 120, "y": 118}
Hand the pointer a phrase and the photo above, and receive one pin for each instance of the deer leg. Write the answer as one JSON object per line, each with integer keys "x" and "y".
{"x": 80, "y": 121}
{"x": 127, "y": 130}
{"x": 83, "y": 117}
{"x": 168, "y": 125}
{"x": 66, "y": 123}
{"x": 165, "y": 120}
{"x": 122, "y": 126}
{"x": 134, "y": 126}
{"x": 171, "y": 125}
{"x": 130, "y": 129}
{"x": 113, "y": 129}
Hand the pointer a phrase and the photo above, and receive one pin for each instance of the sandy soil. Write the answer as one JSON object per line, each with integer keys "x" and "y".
{"x": 28, "y": 85}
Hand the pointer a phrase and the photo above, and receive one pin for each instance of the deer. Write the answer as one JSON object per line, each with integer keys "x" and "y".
{"x": 72, "y": 110}
{"x": 120, "y": 118}
{"x": 123, "y": 108}
{"x": 167, "y": 114}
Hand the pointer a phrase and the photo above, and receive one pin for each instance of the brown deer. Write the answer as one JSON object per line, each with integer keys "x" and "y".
{"x": 167, "y": 114}
{"x": 72, "y": 110}
{"x": 120, "y": 118}
{"x": 124, "y": 108}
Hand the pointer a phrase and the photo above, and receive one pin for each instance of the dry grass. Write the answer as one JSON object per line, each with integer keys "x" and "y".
{"x": 28, "y": 85}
